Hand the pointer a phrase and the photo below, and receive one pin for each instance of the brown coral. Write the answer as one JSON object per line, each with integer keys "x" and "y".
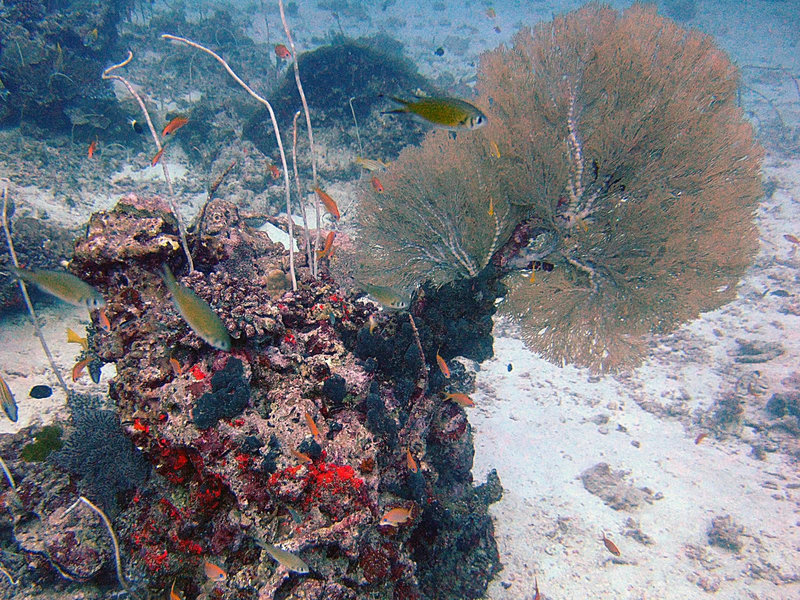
{"x": 653, "y": 180}
{"x": 617, "y": 143}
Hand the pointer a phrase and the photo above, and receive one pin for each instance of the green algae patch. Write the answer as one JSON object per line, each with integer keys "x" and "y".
{"x": 46, "y": 441}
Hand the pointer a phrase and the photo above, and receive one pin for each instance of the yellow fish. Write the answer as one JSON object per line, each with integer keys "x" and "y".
{"x": 64, "y": 286}
{"x": 197, "y": 313}
{"x": 448, "y": 113}
{"x": 495, "y": 150}
{"x": 74, "y": 338}
{"x": 7, "y": 401}
{"x": 290, "y": 561}
{"x": 387, "y": 297}
{"x": 370, "y": 164}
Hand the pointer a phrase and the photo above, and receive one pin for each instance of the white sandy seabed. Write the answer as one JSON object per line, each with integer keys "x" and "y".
{"x": 541, "y": 426}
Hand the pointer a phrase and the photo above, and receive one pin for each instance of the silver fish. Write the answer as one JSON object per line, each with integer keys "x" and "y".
{"x": 64, "y": 286}
{"x": 388, "y": 297}
{"x": 290, "y": 561}
{"x": 8, "y": 402}
{"x": 197, "y": 313}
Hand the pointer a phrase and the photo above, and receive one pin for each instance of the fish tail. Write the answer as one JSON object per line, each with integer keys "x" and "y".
{"x": 22, "y": 274}
{"x": 403, "y": 109}
{"x": 169, "y": 278}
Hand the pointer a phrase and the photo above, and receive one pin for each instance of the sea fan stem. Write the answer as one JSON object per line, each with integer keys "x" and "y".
{"x": 252, "y": 93}
{"x": 25, "y": 295}
{"x": 159, "y": 147}
{"x": 578, "y": 208}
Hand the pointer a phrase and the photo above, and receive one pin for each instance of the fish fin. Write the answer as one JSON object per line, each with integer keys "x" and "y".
{"x": 403, "y": 109}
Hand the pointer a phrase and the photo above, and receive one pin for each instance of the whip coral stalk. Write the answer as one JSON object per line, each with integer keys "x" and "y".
{"x": 310, "y": 135}
{"x": 23, "y": 288}
{"x": 160, "y": 148}
{"x": 252, "y": 93}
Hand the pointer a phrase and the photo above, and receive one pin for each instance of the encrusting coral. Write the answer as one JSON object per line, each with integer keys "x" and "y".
{"x": 615, "y": 160}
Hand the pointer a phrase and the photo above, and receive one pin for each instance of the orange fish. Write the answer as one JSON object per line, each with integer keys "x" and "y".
{"x": 274, "y": 171}
{"x": 327, "y": 249}
{"x": 282, "y": 51}
{"x": 313, "y": 427}
{"x": 104, "y": 322}
{"x": 174, "y": 125}
{"x": 792, "y": 238}
{"x": 172, "y": 594}
{"x": 700, "y": 438}
{"x": 92, "y": 148}
{"x": 328, "y": 203}
{"x": 176, "y": 366}
{"x": 460, "y": 399}
{"x": 77, "y": 370}
{"x": 214, "y": 573}
{"x": 443, "y": 366}
{"x": 610, "y": 546}
{"x": 157, "y": 157}
{"x": 412, "y": 464}
{"x": 302, "y": 457}
{"x": 495, "y": 149}
{"x": 538, "y": 596}
{"x": 491, "y": 206}
{"x": 376, "y": 184}
{"x": 395, "y": 517}
{"x": 490, "y": 13}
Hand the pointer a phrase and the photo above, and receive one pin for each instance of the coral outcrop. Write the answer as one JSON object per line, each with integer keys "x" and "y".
{"x": 291, "y": 438}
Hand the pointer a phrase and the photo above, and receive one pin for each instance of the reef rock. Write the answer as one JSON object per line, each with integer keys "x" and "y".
{"x": 290, "y": 438}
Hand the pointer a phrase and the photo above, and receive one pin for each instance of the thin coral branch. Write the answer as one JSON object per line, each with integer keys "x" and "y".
{"x": 252, "y": 93}
{"x": 118, "y": 562}
{"x": 5, "y": 572}
{"x": 25, "y": 295}
{"x": 358, "y": 135}
{"x": 159, "y": 147}
{"x": 306, "y": 235}
{"x": 314, "y": 269}
{"x": 423, "y": 381}
{"x": 8, "y": 475}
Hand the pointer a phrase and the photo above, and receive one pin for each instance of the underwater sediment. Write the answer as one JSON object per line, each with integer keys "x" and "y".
{"x": 303, "y": 436}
